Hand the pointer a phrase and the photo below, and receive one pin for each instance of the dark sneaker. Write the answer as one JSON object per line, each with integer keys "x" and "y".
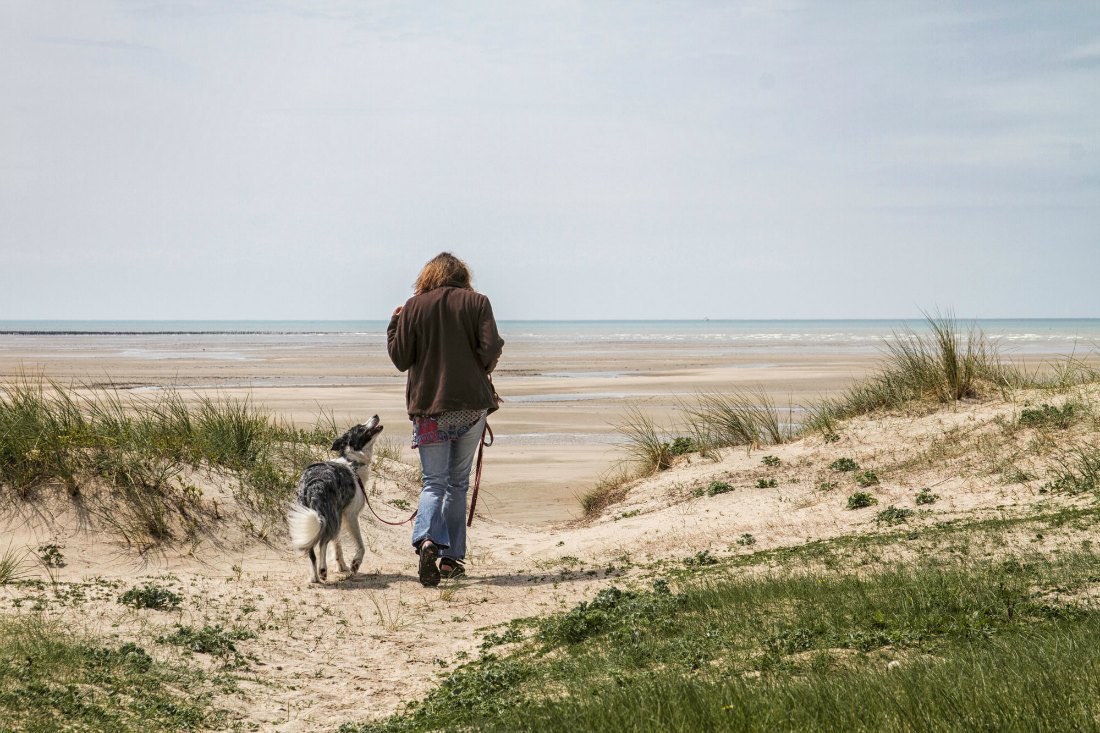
{"x": 451, "y": 568}
{"x": 429, "y": 573}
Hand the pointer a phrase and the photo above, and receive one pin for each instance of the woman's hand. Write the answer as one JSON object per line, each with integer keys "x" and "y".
{"x": 398, "y": 309}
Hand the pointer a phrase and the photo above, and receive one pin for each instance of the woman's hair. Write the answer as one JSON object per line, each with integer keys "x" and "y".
{"x": 441, "y": 271}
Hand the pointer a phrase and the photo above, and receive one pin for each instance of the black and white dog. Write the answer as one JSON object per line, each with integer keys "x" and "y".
{"x": 330, "y": 495}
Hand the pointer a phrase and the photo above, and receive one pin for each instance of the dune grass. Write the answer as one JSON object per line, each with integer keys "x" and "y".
{"x": 124, "y": 456}
{"x": 938, "y": 645}
{"x": 737, "y": 417}
{"x": 53, "y": 680}
{"x": 943, "y": 366}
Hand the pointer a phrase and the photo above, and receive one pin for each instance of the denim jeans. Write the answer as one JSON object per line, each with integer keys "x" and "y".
{"x": 441, "y": 514}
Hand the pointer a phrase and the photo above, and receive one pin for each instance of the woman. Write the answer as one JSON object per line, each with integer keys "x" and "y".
{"x": 447, "y": 339}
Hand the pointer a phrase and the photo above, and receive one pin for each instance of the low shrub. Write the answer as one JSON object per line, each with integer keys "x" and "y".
{"x": 766, "y": 483}
{"x": 925, "y": 496}
{"x": 894, "y": 515}
{"x": 151, "y": 596}
{"x": 866, "y": 478}
{"x": 842, "y": 465}
{"x": 1050, "y": 416}
{"x": 861, "y": 500}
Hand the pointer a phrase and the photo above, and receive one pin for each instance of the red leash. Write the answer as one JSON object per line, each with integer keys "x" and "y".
{"x": 477, "y": 472}
{"x": 473, "y": 500}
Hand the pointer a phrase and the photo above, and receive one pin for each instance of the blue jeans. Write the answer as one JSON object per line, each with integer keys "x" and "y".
{"x": 441, "y": 513}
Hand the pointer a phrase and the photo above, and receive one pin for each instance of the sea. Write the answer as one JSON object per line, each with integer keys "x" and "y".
{"x": 1080, "y": 336}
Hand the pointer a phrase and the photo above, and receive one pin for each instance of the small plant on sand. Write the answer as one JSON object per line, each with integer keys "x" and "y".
{"x": 1050, "y": 416}
{"x": 681, "y": 446}
{"x": 861, "y": 500}
{"x": 925, "y": 496}
{"x": 830, "y": 437}
{"x": 718, "y": 487}
{"x": 894, "y": 515}
{"x": 771, "y": 461}
{"x": 151, "y": 596}
{"x": 401, "y": 504}
{"x": 746, "y": 540}
{"x": 1016, "y": 475}
{"x": 826, "y": 486}
{"x": 1076, "y": 470}
{"x": 213, "y": 640}
{"x": 866, "y": 478}
{"x": 844, "y": 464}
{"x": 700, "y": 559}
{"x": 766, "y": 483}
{"x": 50, "y": 555}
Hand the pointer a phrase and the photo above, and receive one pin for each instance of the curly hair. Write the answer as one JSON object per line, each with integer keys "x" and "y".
{"x": 441, "y": 271}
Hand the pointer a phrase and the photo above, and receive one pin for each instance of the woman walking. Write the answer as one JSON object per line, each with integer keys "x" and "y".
{"x": 445, "y": 336}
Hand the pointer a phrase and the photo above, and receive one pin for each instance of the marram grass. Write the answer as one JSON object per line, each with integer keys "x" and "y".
{"x": 125, "y": 456}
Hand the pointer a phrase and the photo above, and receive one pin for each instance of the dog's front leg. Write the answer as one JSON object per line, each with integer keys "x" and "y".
{"x": 353, "y": 527}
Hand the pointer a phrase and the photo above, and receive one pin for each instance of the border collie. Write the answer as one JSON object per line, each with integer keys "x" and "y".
{"x": 330, "y": 495}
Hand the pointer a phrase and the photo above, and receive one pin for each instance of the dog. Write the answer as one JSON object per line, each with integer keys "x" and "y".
{"x": 330, "y": 496}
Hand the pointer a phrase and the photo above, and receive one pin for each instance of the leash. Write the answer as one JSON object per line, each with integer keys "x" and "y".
{"x": 477, "y": 472}
{"x": 366, "y": 498}
{"x": 473, "y": 499}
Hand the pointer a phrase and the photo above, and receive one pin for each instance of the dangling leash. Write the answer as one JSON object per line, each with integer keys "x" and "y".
{"x": 477, "y": 472}
{"x": 473, "y": 500}
{"x": 383, "y": 521}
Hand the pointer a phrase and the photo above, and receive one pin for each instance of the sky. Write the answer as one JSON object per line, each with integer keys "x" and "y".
{"x": 589, "y": 160}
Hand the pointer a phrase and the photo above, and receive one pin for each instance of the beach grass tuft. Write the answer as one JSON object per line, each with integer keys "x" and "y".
{"x": 125, "y": 457}
{"x": 945, "y": 365}
{"x": 737, "y": 417}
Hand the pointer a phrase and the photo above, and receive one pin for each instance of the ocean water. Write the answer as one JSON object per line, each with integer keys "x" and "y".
{"x": 1021, "y": 336}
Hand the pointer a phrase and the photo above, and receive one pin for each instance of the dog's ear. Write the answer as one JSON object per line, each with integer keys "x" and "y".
{"x": 340, "y": 443}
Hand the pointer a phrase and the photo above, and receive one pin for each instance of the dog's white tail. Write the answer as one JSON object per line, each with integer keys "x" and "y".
{"x": 305, "y": 526}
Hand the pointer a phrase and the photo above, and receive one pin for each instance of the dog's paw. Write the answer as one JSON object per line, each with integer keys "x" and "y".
{"x": 344, "y": 568}
{"x": 355, "y": 565}
{"x": 323, "y": 574}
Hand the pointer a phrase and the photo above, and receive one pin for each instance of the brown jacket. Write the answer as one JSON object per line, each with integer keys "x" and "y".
{"x": 447, "y": 339}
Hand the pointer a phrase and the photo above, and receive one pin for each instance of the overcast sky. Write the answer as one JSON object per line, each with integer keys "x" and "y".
{"x": 588, "y": 159}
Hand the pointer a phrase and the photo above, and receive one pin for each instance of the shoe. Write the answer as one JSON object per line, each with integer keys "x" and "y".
{"x": 451, "y": 568}
{"x": 429, "y": 573}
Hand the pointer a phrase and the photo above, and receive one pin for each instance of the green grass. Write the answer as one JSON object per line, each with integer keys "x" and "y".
{"x": 1076, "y": 470}
{"x": 52, "y": 680}
{"x": 1004, "y": 641}
{"x": 124, "y": 456}
{"x": 645, "y": 445}
{"x": 738, "y": 417}
{"x": 943, "y": 366}
{"x": 14, "y": 565}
